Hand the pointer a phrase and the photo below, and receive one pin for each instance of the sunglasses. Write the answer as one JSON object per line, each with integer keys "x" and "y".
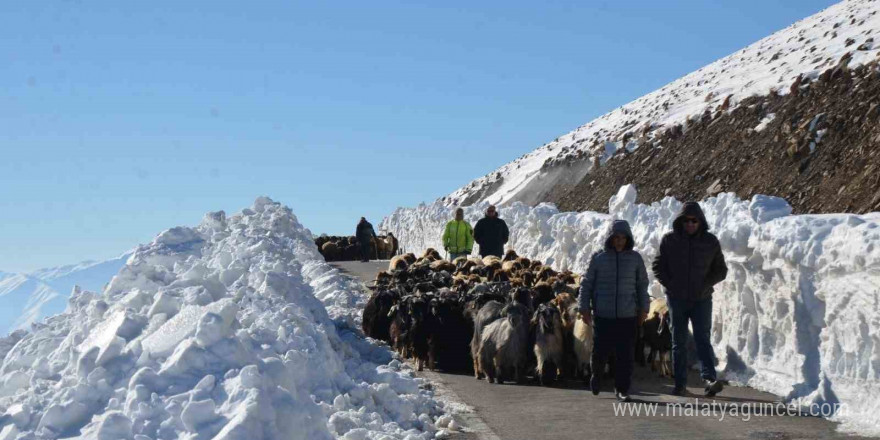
{"x": 691, "y": 220}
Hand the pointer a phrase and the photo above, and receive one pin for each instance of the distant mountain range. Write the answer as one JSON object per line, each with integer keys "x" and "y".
{"x": 29, "y": 297}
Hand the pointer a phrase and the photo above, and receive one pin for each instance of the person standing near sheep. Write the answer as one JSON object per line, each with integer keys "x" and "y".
{"x": 364, "y": 234}
{"x": 688, "y": 265}
{"x": 491, "y": 233}
{"x": 614, "y": 300}
{"x": 458, "y": 237}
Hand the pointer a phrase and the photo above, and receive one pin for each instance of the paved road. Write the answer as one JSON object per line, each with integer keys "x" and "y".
{"x": 569, "y": 411}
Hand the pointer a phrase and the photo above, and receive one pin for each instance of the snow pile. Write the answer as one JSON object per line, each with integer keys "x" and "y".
{"x": 212, "y": 332}
{"x": 806, "y": 48}
{"x": 30, "y": 297}
{"x": 799, "y": 314}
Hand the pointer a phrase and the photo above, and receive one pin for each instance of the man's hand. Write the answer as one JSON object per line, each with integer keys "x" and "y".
{"x": 587, "y": 318}
{"x": 642, "y": 317}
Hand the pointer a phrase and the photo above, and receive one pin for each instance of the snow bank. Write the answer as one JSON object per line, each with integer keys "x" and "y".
{"x": 234, "y": 329}
{"x": 799, "y": 314}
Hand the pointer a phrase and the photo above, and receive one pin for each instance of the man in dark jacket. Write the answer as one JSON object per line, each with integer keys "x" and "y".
{"x": 491, "y": 233}
{"x": 689, "y": 264}
{"x": 614, "y": 299}
{"x": 365, "y": 234}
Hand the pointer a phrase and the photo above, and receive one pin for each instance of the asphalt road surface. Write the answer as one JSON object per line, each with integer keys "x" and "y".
{"x": 569, "y": 411}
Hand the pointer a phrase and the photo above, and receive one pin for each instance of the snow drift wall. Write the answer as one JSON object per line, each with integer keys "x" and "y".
{"x": 220, "y": 331}
{"x": 799, "y": 314}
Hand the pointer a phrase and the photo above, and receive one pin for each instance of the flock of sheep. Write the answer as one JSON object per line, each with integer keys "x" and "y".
{"x": 504, "y": 318}
{"x": 335, "y": 248}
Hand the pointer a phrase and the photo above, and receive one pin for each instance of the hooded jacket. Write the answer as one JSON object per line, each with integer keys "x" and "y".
{"x": 491, "y": 233}
{"x": 616, "y": 283}
{"x": 688, "y": 266}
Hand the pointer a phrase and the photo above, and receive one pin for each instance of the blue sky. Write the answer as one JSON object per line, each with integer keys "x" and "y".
{"x": 121, "y": 119}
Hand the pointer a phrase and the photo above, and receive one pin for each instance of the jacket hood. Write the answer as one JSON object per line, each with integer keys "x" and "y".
{"x": 620, "y": 226}
{"x": 690, "y": 209}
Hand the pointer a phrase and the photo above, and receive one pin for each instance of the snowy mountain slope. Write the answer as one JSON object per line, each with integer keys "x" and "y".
{"x": 27, "y": 298}
{"x": 797, "y": 315}
{"x": 806, "y": 48}
{"x": 220, "y": 331}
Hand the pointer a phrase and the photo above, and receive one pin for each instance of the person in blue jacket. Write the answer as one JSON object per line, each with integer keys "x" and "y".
{"x": 614, "y": 300}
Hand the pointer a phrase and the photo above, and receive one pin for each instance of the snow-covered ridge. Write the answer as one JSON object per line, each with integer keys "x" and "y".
{"x": 220, "y": 331}
{"x": 30, "y": 297}
{"x": 799, "y": 313}
{"x": 805, "y": 48}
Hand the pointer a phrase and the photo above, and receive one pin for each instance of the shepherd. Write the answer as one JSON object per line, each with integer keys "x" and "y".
{"x": 365, "y": 235}
{"x": 491, "y": 233}
{"x": 458, "y": 237}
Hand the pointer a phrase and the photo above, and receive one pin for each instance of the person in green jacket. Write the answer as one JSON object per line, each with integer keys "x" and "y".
{"x": 458, "y": 238}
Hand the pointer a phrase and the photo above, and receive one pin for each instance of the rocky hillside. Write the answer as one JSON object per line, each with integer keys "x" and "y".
{"x": 817, "y": 146}
{"x": 790, "y": 115}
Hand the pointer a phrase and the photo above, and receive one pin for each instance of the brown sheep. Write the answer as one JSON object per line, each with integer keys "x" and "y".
{"x": 330, "y": 251}
{"x": 442, "y": 265}
{"x": 567, "y": 277}
{"x": 536, "y": 265}
{"x": 546, "y": 273}
{"x": 432, "y": 254}
{"x": 510, "y": 255}
{"x": 543, "y": 293}
{"x": 511, "y": 266}
{"x": 409, "y": 257}
{"x": 490, "y": 259}
{"x": 397, "y": 263}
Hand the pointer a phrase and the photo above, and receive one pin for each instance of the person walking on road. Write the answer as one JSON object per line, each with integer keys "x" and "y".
{"x": 491, "y": 233}
{"x": 365, "y": 235}
{"x": 688, "y": 265}
{"x": 614, "y": 300}
{"x": 458, "y": 238}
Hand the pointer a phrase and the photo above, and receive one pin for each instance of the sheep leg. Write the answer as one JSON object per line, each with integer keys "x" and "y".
{"x": 431, "y": 358}
{"x": 477, "y": 373}
{"x": 421, "y": 363}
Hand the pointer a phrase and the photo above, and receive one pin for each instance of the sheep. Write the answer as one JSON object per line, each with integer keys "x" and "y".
{"x": 568, "y": 309}
{"x": 511, "y": 266}
{"x": 409, "y": 257}
{"x": 376, "y": 319}
{"x": 400, "y": 326}
{"x": 419, "y": 341}
{"x": 658, "y": 337}
{"x": 543, "y": 293}
{"x": 549, "y": 344}
{"x": 454, "y": 331}
{"x": 487, "y": 313}
{"x": 583, "y": 347}
{"x": 392, "y": 244}
{"x": 397, "y": 263}
{"x": 442, "y": 265}
{"x": 503, "y": 345}
{"x": 432, "y": 254}
{"x": 546, "y": 273}
{"x": 383, "y": 278}
{"x": 510, "y": 255}
{"x": 488, "y": 260}
{"x": 330, "y": 251}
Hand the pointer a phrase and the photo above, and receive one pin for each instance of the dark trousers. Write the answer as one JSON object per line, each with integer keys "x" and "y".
{"x": 699, "y": 313}
{"x": 617, "y": 336}
{"x": 365, "y": 250}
